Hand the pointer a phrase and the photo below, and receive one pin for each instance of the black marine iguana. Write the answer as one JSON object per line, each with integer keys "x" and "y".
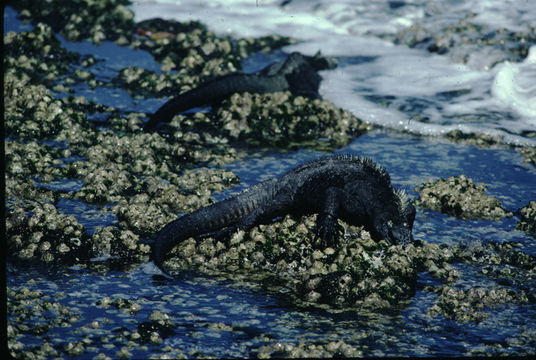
{"x": 298, "y": 74}
{"x": 350, "y": 188}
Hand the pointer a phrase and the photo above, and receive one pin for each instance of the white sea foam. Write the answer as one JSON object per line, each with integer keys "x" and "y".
{"x": 378, "y": 81}
{"x": 515, "y": 86}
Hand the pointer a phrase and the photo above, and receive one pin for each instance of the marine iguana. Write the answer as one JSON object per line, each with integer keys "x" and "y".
{"x": 346, "y": 187}
{"x": 298, "y": 74}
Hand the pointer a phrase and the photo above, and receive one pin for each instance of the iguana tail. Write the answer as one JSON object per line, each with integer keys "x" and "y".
{"x": 211, "y": 218}
{"x": 214, "y": 92}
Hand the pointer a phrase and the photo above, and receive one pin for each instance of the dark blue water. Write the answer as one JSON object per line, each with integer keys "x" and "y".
{"x": 194, "y": 301}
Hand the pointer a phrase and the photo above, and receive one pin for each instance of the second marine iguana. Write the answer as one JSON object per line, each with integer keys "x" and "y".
{"x": 351, "y": 188}
{"x": 298, "y": 74}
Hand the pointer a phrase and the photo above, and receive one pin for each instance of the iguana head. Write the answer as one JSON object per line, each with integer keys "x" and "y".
{"x": 320, "y": 62}
{"x": 395, "y": 222}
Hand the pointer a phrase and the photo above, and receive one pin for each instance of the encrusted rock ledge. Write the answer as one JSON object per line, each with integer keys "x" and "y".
{"x": 460, "y": 197}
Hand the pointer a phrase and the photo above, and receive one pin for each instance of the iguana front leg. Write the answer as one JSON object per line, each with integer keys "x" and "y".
{"x": 328, "y": 230}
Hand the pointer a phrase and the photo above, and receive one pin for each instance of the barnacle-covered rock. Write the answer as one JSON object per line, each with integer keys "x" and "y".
{"x": 21, "y": 192}
{"x": 26, "y": 159}
{"x": 309, "y": 350}
{"x": 460, "y": 40}
{"x": 460, "y": 197}
{"x": 160, "y": 201}
{"x": 30, "y": 110}
{"x": 81, "y": 19}
{"x": 360, "y": 272}
{"x": 45, "y": 234}
{"x": 104, "y": 184}
{"x": 157, "y": 328}
{"x": 283, "y": 120}
{"x": 194, "y": 53}
{"x": 33, "y": 113}
{"x": 190, "y": 45}
{"x": 37, "y": 54}
{"x": 112, "y": 241}
{"x": 527, "y": 222}
{"x": 145, "y": 83}
{"x": 469, "y": 305}
{"x": 504, "y": 261}
{"x": 478, "y": 139}
{"x": 529, "y": 154}
{"x": 125, "y": 305}
{"x": 32, "y": 309}
{"x": 142, "y": 214}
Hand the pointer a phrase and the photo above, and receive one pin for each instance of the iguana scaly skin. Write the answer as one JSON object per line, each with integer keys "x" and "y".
{"x": 351, "y": 188}
{"x": 298, "y": 74}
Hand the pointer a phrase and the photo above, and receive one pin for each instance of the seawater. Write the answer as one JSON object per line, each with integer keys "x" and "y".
{"x": 369, "y": 70}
